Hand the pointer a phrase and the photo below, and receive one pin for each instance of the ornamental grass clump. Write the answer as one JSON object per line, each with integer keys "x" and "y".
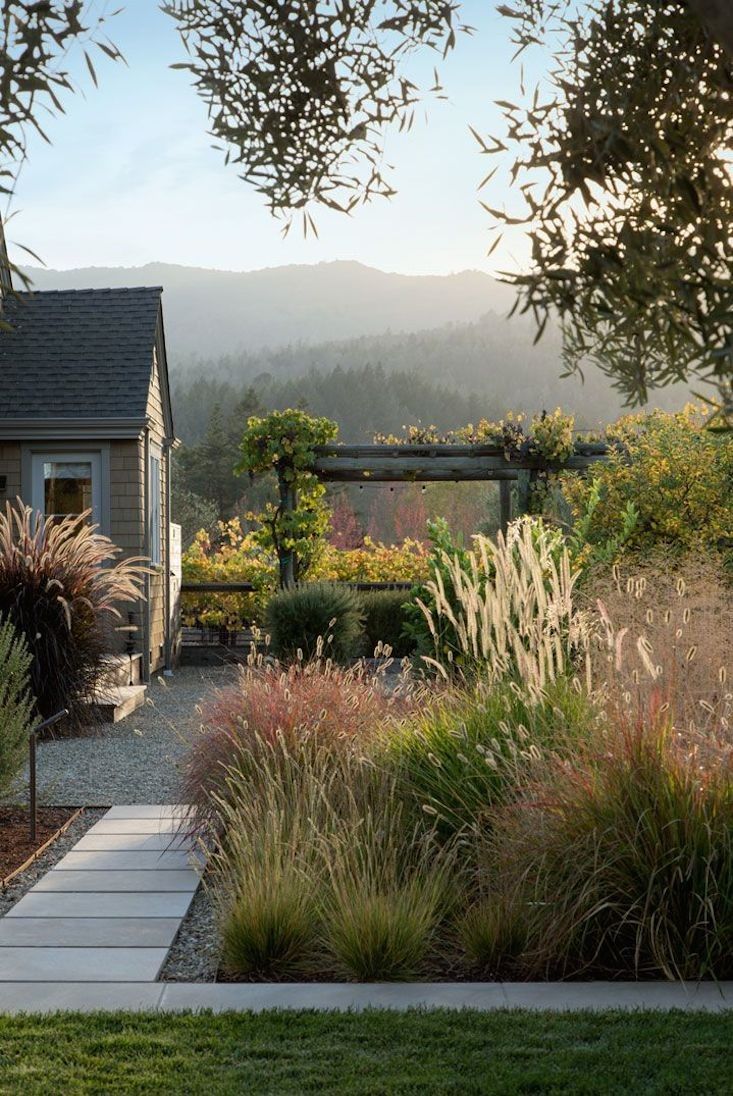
{"x": 315, "y": 871}
{"x": 622, "y": 859}
{"x": 459, "y": 757}
{"x": 389, "y": 892}
{"x": 16, "y": 704}
{"x": 306, "y": 705}
{"x": 61, "y": 586}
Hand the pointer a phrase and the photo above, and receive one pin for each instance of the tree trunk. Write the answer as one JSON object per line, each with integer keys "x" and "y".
{"x": 717, "y": 16}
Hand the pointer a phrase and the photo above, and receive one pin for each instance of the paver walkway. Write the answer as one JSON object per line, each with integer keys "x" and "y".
{"x": 110, "y": 909}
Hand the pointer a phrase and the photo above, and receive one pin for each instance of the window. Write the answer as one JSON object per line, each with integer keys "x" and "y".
{"x": 66, "y": 483}
{"x": 155, "y": 515}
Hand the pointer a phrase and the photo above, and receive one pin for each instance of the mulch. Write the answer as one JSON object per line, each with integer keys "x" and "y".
{"x": 15, "y": 844}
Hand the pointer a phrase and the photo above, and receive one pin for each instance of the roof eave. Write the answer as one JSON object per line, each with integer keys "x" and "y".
{"x": 51, "y": 429}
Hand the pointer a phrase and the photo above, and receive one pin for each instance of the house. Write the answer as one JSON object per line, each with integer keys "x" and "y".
{"x": 85, "y": 421}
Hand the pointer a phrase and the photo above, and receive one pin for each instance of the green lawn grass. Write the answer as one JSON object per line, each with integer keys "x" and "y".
{"x": 373, "y": 1052}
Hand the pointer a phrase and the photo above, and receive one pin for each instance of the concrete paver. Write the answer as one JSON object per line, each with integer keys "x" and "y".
{"x": 78, "y": 904}
{"x": 127, "y": 882}
{"x": 102, "y": 932}
{"x": 114, "y": 860}
{"x": 85, "y": 964}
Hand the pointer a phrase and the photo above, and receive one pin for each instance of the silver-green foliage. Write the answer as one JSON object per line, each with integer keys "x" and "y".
{"x": 16, "y": 703}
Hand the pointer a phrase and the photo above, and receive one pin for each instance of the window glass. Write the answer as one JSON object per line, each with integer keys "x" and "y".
{"x": 67, "y": 487}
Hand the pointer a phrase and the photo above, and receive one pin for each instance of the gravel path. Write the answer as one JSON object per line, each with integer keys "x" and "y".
{"x": 136, "y": 760}
{"x": 196, "y": 951}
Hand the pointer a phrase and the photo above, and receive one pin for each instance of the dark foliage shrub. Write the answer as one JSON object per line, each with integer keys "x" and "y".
{"x": 62, "y": 587}
{"x": 16, "y": 704}
{"x": 318, "y": 618}
{"x": 385, "y": 617}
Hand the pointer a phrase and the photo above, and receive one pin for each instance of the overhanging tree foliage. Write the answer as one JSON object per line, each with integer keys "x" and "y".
{"x": 623, "y": 163}
{"x": 624, "y": 167}
{"x": 301, "y": 91}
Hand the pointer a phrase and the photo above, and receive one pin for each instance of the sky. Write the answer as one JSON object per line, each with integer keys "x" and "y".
{"x": 131, "y": 175}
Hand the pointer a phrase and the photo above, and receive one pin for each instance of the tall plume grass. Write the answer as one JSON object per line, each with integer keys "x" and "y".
{"x": 61, "y": 586}
{"x": 622, "y": 861}
{"x": 512, "y": 607}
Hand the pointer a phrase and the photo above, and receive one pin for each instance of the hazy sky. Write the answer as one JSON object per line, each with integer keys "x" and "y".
{"x": 131, "y": 176}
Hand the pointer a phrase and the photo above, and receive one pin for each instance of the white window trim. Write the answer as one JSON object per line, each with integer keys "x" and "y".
{"x": 155, "y": 494}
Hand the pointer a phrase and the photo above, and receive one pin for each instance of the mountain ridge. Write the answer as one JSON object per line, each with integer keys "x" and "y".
{"x": 210, "y": 312}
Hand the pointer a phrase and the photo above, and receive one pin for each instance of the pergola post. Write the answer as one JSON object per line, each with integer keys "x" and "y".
{"x": 524, "y": 486}
{"x": 286, "y": 560}
{"x": 505, "y": 504}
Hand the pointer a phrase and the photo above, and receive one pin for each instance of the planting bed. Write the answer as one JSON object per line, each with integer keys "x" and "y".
{"x": 16, "y": 846}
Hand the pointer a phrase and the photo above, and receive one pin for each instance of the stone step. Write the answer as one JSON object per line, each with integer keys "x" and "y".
{"x": 115, "y": 702}
{"x": 123, "y": 669}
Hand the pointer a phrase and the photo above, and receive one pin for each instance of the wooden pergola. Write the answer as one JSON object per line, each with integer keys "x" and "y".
{"x": 435, "y": 463}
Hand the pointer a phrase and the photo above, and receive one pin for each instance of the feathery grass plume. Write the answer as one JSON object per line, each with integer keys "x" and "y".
{"x": 267, "y": 867}
{"x": 62, "y": 586}
{"x": 16, "y": 704}
{"x": 309, "y": 842}
{"x": 511, "y": 608}
{"x": 457, "y": 758}
{"x": 663, "y": 632}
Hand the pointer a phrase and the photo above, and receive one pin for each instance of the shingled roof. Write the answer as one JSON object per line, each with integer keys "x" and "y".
{"x": 79, "y": 353}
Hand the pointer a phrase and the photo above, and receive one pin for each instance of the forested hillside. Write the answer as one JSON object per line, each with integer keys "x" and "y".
{"x": 447, "y": 375}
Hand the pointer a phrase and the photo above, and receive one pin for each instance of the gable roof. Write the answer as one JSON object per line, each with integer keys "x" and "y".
{"x": 79, "y": 353}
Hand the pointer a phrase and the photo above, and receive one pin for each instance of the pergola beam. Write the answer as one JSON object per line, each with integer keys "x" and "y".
{"x": 437, "y": 463}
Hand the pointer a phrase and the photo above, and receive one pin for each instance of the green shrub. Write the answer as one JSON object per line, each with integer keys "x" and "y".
{"x": 385, "y": 618}
{"x": 16, "y": 704}
{"x": 457, "y": 759}
{"x": 316, "y": 618}
{"x": 623, "y": 860}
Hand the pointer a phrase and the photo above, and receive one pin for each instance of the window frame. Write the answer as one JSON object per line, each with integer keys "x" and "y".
{"x": 39, "y": 457}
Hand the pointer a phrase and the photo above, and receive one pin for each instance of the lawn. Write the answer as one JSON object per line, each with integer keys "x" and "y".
{"x": 373, "y": 1052}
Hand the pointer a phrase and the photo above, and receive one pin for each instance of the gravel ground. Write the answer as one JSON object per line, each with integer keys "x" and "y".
{"x": 46, "y": 861}
{"x": 194, "y": 956}
{"x": 136, "y": 760}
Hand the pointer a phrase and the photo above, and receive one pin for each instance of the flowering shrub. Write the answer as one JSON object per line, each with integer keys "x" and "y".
{"x": 237, "y": 557}
{"x": 670, "y": 481}
{"x": 374, "y": 562}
